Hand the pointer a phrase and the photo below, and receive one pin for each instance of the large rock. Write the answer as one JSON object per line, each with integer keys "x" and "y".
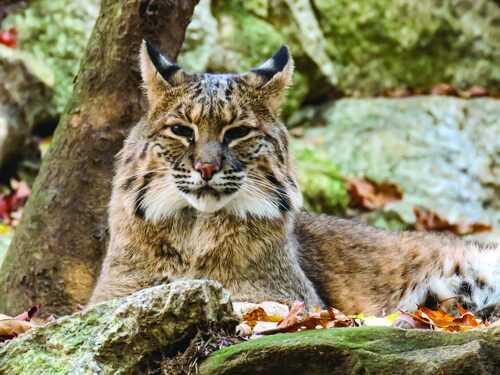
{"x": 56, "y": 32}
{"x": 443, "y": 152}
{"x": 356, "y": 47}
{"x": 366, "y": 350}
{"x": 120, "y": 336}
{"x": 25, "y": 96}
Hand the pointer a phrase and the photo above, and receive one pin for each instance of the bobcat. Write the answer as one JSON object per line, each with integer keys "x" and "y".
{"x": 205, "y": 187}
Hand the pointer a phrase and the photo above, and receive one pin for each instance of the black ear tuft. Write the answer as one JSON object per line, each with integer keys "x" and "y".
{"x": 281, "y": 58}
{"x": 162, "y": 65}
{"x": 274, "y": 65}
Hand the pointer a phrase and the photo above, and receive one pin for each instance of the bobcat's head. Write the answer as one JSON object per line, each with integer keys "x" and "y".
{"x": 214, "y": 142}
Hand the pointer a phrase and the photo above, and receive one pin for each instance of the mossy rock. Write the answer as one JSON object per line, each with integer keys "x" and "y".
{"x": 320, "y": 181}
{"x": 441, "y": 151}
{"x": 56, "y": 33}
{"x": 357, "y": 48}
{"x": 121, "y": 336}
{"x": 363, "y": 350}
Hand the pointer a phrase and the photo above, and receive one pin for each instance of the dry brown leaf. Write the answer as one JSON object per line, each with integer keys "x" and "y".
{"x": 292, "y": 318}
{"x": 443, "y": 321}
{"x": 430, "y": 221}
{"x": 11, "y": 327}
{"x": 258, "y": 314}
{"x": 329, "y": 318}
{"x": 370, "y": 195}
{"x": 11, "y": 204}
{"x": 444, "y": 89}
{"x": 398, "y": 93}
{"x": 475, "y": 92}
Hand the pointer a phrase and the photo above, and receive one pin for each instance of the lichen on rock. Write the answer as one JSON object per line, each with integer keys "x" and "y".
{"x": 56, "y": 33}
{"x": 356, "y": 48}
{"x": 441, "y": 151}
{"x": 122, "y": 335}
{"x": 26, "y": 88}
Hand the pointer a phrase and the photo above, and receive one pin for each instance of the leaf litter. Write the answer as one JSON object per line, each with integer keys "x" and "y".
{"x": 12, "y": 327}
{"x": 255, "y": 322}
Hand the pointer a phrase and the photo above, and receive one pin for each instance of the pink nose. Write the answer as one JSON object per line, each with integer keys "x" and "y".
{"x": 207, "y": 170}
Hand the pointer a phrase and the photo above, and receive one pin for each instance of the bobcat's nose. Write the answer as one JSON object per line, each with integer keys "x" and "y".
{"x": 207, "y": 170}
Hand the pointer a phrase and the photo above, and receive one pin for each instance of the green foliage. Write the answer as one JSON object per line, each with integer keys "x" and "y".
{"x": 56, "y": 32}
{"x": 319, "y": 178}
{"x": 386, "y": 219}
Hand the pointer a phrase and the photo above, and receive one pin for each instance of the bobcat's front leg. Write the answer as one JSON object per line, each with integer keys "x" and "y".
{"x": 121, "y": 280}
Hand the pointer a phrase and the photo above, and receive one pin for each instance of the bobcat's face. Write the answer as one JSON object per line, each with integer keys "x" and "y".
{"x": 214, "y": 142}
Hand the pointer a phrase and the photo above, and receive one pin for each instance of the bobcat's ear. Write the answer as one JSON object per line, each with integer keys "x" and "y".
{"x": 273, "y": 77}
{"x": 158, "y": 74}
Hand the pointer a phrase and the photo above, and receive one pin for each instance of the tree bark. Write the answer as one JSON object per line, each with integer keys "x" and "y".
{"x": 57, "y": 249}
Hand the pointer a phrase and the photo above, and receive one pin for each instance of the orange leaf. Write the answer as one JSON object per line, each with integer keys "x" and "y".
{"x": 369, "y": 195}
{"x": 259, "y": 315}
{"x": 443, "y": 321}
{"x": 431, "y": 221}
{"x": 291, "y": 318}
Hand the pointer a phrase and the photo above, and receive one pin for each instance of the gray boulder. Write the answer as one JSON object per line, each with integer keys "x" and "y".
{"x": 442, "y": 151}
{"x": 25, "y": 97}
{"x": 120, "y": 336}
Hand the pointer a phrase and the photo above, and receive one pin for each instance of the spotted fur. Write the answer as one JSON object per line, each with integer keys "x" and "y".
{"x": 243, "y": 226}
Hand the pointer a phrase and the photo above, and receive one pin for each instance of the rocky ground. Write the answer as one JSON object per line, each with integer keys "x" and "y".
{"x": 141, "y": 332}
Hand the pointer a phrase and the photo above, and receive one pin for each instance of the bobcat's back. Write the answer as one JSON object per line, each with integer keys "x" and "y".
{"x": 360, "y": 268}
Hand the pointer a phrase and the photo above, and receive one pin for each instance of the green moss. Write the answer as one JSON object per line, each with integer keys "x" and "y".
{"x": 362, "y": 47}
{"x": 321, "y": 183}
{"x": 373, "y": 349}
{"x": 56, "y": 33}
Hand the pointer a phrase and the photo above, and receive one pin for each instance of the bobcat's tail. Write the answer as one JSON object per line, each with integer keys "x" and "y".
{"x": 469, "y": 273}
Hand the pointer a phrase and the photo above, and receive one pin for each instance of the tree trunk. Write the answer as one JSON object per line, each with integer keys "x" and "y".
{"x": 57, "y": 249}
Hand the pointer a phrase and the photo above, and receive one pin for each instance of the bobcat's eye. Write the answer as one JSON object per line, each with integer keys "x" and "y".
{"x": 235, "y": 133}
{"x": 183, "y": 131}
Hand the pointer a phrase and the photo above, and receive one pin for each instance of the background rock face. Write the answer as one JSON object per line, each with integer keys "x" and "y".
{"x": 121, "y": 335}
{"x": 56, "y": 32}
{"x": 364, "y": 350}
{"x": 355, "y": 47}
{"x": 443, "y": 152}
{"x": 25, "y": 96}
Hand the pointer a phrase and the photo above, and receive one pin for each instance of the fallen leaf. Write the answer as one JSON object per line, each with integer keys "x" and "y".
{"x": 27, "y": 315}
{"x": 374, "y": 321}
{"x": 11, "y": 327}
{"x": 444, "y": 89}
{"x": 292, "y": 318}
{"x": 475, "y": 92}
{"x": 4, "y": 229}
{"x": 441, "y": 320}
{"x": 398, "y": 93}
{"x": 370, "y": 195}
{"x": 9, "y": 37}
{"x": 430, "y": 221}
{"x": 11, "y": 204}
{"x": 259, "y": 315}
{"x": 329, "y": 318}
